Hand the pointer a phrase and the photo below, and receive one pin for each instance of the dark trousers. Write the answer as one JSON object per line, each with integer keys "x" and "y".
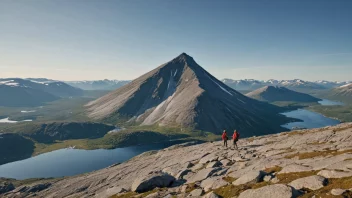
{"x": 235, "y": 143}
{"x": 225, "y": 143}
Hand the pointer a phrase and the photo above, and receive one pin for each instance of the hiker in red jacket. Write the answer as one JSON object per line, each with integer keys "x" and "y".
{"x": 224, "y": 138}
{"x": 235, "y": 138}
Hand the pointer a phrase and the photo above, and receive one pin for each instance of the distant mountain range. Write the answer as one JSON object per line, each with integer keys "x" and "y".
{"x": 275, "y": 94}
{"x": 181, "y": 93}
{"x": 33, "y": 92}
{"x": 98, "y": 84}
{"x": 241, "y": 85}
{"x": 251, "y": 84}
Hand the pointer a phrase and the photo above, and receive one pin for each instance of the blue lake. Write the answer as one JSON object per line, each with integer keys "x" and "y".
{"x": 326, "y": 102}
{"x": 309, "y": 119}
{"x": 68, "y": 162}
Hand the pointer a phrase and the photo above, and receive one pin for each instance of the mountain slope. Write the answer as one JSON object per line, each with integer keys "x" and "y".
{"x": 345, "y": 90}
{"x": 181, "y": 93}
{"x": 15, "y": 96}
{"x": 273, "y": 94}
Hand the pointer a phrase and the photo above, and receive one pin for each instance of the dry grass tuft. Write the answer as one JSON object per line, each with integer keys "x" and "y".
{"x": 229, "y": 179}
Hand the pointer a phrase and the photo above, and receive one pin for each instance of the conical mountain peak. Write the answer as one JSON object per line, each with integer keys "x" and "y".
{"x": 180, "y": 93}
{"x": 184, "y": 58}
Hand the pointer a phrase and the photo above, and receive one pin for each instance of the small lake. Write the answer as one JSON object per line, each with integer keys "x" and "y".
{"x": 326, "y": 102}
{"x": 7, "y": 120}
{"x": 68, "y": 162}
{"x": 310, "y": 119}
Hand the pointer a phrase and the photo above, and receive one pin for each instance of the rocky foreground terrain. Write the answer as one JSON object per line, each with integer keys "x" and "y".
{"x": 307, "y": 163}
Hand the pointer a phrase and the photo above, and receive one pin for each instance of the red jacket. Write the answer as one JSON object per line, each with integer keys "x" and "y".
{"x": 235, "y": 136}
{"x": 224, "y": 136}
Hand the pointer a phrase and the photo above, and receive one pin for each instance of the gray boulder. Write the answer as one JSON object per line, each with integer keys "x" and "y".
{"x": 214, "y": 164}
{"x": 337, "y": 192}
{"x": 6, "y": 187}
{"x": 203, "y": 174}
{"x": 314, "y": 182}
{"x": 334, "y": 174}
{"x": 277, "y": 190}
{"x": 182, "y": 173}
{"x": 250, "y": 177}
{"x": 152, "y": 181}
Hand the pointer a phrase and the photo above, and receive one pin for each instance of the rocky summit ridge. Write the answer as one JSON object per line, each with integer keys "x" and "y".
{"x": 180, "y": 93}
{"x": 305, "y": 163}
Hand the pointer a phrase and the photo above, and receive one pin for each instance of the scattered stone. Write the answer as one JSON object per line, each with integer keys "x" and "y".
{"x": 275, "y": 180}
{"x": 152, "y": 181}
{"x": 214, "y": 164}
{"x": 337, "y": 192}
{"x": 314, "y": 182}
{"x": 226, "y": 162}
{"x": 182, "y": 173}
{"x": 211, "y": 195}
{"x": 203, "y": 174}
{"x": 251, "y": 177}
{"x": 277, "y": 190}
{"x": 196, "y": 193}
{"x": 334, "y": 174}
{"x": 268, "y": 178}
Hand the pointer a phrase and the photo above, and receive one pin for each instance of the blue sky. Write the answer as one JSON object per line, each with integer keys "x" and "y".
{"x": 118, "y": 39}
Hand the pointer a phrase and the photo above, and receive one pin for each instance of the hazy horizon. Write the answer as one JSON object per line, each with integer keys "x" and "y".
{"x": 95, "y": 40}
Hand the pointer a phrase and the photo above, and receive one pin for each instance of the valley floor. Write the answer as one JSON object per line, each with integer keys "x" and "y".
{"x": 292, "y": 164}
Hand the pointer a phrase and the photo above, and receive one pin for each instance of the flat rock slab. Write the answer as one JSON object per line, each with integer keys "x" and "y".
{"x": 314, "y": 182}
{"x": 334, "y": 174}
{"x": 213, "y": 183}
{"x": 152, "y": 181}
{"x": 250, "y": 177}
{"x": 277, "y": 190}
{"x": 294, "y": 168}
{"x": 203, "y": 174}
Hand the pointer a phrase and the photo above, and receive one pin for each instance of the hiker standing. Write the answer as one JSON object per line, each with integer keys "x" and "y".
{"x": 235, "y": 138}
{"x": 224, "y": 138}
